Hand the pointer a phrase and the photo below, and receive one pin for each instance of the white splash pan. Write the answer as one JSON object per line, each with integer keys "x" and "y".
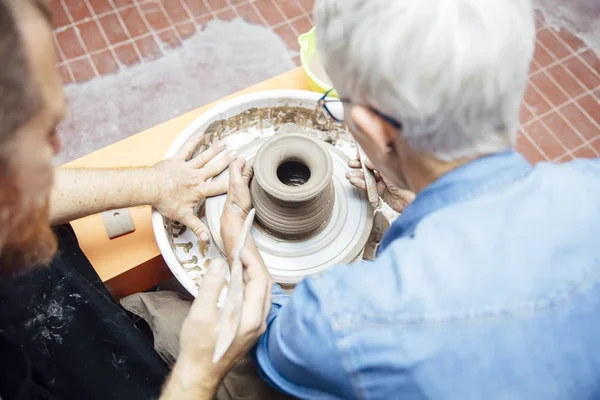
{"x": 221, "y": 111}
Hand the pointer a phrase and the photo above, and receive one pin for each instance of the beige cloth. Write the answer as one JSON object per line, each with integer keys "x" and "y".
{"x": 165, "y": 312}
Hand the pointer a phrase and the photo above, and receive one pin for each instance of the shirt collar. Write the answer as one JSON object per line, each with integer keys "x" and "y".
{"x": 464, "y": 182}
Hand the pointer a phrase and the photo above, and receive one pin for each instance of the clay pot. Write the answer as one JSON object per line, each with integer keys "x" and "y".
{"x": 292, "y": 189}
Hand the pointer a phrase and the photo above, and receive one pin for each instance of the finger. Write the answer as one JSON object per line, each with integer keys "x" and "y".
{"x": 358, "y": 183}
{"x": 188, "y": 148}
{"x": 354, "y": 164}
{"x": 355, "y": 174}
{"x": 247, "y": 173}
{"x": 205, "y": 305}
{"x": 254, "y": 266}
{"x": 215, "y": 188}
{"x": 381, "y": 187}
{"x": 197, "y": 226}
{"x": 255, "y": 297}
{"x": 215, "y": 168}
{"x": 257, "y": 279}
{"x": 203, "y": 158}
{"x": 267, "y": 307}
{"x": 236, "y": 171}
{"x": 369, "y": 165}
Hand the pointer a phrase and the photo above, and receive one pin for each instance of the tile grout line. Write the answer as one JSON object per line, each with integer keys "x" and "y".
{"x": 542, "y": 152}
{"x": 286, "y": 19}
{"x": 104, "y": 36}
{"x": 586, "y": 91}
{"x": 109, "y": 46}
{"x": 551, "y": 78}
{"x": 304, "y": 9}
{"x": 556, "y": 62}
{"x": 65, "y": 63}
{"x": 78, "y": 34}
{"x": 577, "y": 52}
{"x": 577, "y": 148}
{"x": 281, "y": 14}
{"x": 150, "y": 30}
{"x": 68, "y": 14}
{"x": 170, "y": 21}
{"x": 553, "y": 108}
{"x": 126, "y": 30}
{"x": 188, "y": 12}
{"x": 262, "y": 17}
{"x": 129, "y": 41}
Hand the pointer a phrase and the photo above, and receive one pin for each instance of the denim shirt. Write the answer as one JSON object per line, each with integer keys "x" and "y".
{"x": 487, "y": 287}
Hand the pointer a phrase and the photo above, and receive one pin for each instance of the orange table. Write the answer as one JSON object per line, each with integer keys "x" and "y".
{"x": 133, "y": 263}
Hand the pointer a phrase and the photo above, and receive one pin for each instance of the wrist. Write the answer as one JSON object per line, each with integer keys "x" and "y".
{"x": 193, "y": 376}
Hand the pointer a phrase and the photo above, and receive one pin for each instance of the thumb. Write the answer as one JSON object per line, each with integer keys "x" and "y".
{"x": 198, "y": 227}
{"x": 205, "y": 305}
{"x": 247, "y": 173}
{"x": 236, "y": 169}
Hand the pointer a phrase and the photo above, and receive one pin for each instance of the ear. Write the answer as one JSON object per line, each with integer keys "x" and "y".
{"x": 372, "y": 125}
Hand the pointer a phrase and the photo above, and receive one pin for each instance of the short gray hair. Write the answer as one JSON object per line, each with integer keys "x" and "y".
{"x": 453, "y": 72}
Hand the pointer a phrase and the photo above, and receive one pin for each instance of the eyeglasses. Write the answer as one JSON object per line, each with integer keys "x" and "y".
{"x": 339, "y": 117}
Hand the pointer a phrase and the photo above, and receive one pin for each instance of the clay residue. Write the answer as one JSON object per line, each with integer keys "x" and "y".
{"x": 301, "y": 118}
{"x": 185, "y": 246}
{"x": 203, "y": 247}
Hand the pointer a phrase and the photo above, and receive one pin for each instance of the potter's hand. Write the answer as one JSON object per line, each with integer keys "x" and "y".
{"x": 238, "y": 203}
{"x": 394, "y": 196}
{"x": 195, "y": 375}
{"x": 182, "y": 183}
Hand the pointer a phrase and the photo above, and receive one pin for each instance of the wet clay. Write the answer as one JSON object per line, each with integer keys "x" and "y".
{"x": 292, "y": 189}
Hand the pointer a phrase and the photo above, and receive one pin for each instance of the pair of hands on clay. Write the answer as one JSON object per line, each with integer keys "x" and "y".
{"x": 195, "y": 375}
{"x": 182, "y": 181}
{"x": 395, "y": 197}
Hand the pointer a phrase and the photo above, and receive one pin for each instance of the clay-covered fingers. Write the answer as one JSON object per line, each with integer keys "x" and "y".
{"x": 204, "y": 307}
{"x": 204, "y": 158}
{"x": 247, "y": 172}
{"x": 354, "y": 164}
{"x": 357, "y": 179}
{"x": 197, "y": 226}
{"x": 186, "y": 151}
{"x": 217, "y": 166}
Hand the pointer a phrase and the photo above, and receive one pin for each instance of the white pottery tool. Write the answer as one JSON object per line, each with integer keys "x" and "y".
{"x": 232, "y": 310}
{"x": 370, "y": 181}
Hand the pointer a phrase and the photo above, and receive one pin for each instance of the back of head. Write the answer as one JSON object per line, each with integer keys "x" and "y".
{"x": 453, "y": 72}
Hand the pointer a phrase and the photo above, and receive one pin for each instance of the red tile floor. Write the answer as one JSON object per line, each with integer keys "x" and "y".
{"x": 560, "y": 116}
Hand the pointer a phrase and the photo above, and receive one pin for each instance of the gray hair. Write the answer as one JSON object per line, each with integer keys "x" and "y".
{"x": 453, "y": 72}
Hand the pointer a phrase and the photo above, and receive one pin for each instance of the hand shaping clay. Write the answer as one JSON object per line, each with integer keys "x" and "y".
{"x": 292, "y": 189}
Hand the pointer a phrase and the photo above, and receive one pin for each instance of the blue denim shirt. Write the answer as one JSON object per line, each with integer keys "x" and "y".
{"x": 487, "y": 287}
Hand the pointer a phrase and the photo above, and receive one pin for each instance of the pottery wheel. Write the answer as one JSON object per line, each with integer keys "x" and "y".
{"x": 341, "y": 241}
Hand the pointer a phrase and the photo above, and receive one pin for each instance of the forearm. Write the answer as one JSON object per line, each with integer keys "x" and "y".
{"x": 78, "y": 193}
{"x": 187, "y": 382}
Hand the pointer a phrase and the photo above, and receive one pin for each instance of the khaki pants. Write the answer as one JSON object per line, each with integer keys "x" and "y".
{"x": 164, "y": 312}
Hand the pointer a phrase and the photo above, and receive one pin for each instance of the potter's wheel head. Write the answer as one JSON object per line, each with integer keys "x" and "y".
{"x": 340, "y": 241}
